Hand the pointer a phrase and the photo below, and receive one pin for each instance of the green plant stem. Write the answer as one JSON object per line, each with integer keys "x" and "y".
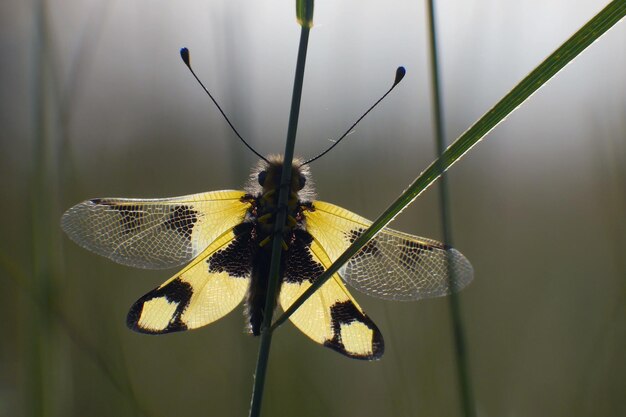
{"x": 458, "y": 334}
{"x": 584, "y": 37}
{"x": 38, "y": 339}
{"x": 281, "y": 220}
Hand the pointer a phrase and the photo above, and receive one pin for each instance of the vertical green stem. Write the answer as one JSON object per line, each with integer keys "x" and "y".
{"x": 38, "y": 327}
{"x": 281, "y": 220}
{"x": 462, "y": 366}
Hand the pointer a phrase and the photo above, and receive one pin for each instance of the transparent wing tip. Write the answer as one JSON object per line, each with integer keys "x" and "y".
{"x": 71, "y": 221}
{"x": 461, "y": 270}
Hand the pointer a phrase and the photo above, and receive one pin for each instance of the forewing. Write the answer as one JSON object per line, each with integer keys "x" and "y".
{"x": 330, "y": 316}
{"x": 155, "y": 233}
{"x": 393, "y": 265}
{"x": 207, "y": 289}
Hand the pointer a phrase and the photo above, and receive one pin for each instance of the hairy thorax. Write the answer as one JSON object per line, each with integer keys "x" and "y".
{"x": 264, "y": 191}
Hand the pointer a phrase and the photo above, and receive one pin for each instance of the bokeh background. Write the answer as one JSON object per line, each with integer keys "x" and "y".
{"x": 95, "y": 102}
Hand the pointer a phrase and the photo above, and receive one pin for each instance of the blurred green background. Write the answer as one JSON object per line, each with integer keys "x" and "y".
{"x": 95, "y": 102}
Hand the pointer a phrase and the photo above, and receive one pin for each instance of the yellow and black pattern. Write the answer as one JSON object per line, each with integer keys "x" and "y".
{"x": 331, "y": 316}
{"x": 209, "y": 288}
{"x": 227, "y": 237}
{"x": 393, "y": 265}
{"x": 155, "y": 233}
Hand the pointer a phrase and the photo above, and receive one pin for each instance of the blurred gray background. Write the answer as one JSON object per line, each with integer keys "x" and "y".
{"x": 95, "y": 102}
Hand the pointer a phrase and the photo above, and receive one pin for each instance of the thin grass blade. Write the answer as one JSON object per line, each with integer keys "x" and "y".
{"x": 583, "y": 38}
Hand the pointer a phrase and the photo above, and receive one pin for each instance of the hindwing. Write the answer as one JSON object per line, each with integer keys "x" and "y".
{"x": 207, "y": 289}
{"x": 330, "y": 316}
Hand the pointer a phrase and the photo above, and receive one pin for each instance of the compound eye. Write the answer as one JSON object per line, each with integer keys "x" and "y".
{"x": 262, "y": 176}
{"x": 302, "y": 182}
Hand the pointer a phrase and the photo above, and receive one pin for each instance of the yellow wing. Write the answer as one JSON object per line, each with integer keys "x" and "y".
{"x": 206, "y": 290}
{"x": 393, "y": 265}
{"x": 154, "y": 233}
{"x": 331, "y": 316}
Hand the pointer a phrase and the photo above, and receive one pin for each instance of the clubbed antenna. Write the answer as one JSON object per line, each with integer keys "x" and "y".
{"x": 184, "y": 54}
{"x": 400, "y": 72}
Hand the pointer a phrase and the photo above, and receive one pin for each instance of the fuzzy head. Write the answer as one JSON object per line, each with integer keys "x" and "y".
{"x": 266, "y": 177}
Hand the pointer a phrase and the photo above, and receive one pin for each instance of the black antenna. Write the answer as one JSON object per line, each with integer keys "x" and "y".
{"x": 184, "y": 54}
{"x": 400, "y": 72}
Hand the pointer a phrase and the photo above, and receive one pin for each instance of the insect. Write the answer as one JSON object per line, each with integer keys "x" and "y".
{"x": 226, "y": 235}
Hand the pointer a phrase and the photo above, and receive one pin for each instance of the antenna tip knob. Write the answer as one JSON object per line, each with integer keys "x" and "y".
{"x": 184, "y": 54}
{"x": 400, "y": 73}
